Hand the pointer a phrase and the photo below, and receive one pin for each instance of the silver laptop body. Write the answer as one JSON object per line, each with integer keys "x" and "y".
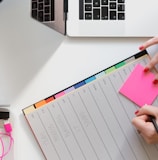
{"x": 100, "y": 18}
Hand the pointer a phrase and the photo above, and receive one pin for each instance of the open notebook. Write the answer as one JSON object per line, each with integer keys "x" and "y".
{"x": 91, "y": 120}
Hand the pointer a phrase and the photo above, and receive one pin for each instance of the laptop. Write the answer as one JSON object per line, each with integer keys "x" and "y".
{"x": 98, "y": 18}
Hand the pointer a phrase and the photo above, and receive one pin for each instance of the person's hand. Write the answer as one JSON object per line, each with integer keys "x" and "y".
{"x": 144, "y": 125}
{"x": 154, "y": 59}
{"x": 149, "y": 43}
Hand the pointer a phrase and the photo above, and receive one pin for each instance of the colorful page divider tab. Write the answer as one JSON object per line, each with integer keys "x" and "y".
{"x": 111, "y": 69}
{"x": 29, "y": 109}
{"x": 88, "y": 80}
{"x": 120, "y": 64}
{"x": 49, "y": 99}
{"x": 69, "y": 89}
{"x": 100, "y": 74}
{"x": 40, "y": 103}
{"x": 59, "y": 94}
{"x": 73, "y": 87}
{"x": 82, "y": 83}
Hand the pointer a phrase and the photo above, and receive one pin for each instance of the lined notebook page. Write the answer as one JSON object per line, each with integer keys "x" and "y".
{"x": 92, "y": 122}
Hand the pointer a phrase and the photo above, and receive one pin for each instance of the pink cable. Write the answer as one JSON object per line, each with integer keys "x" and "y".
{"x": 2, "y": 143}
{"x": 2, "y": 149}
{"x": 8, "y": 130}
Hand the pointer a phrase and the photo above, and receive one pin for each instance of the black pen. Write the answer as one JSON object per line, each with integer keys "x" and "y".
{"x": 152, "y": 118}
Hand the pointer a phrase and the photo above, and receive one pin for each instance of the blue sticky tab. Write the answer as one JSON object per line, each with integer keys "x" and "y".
{"x": 79, "y": 84}
{"x": 90, "y": 79}
{"x": 100, "y": 74}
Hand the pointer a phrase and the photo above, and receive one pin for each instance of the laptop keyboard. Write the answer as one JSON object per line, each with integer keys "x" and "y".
{"x": 102, "y": 9}
{"x": 43, "y": 10}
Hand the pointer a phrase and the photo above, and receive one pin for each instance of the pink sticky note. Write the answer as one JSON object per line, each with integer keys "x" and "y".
{"x": 139, "y": 87}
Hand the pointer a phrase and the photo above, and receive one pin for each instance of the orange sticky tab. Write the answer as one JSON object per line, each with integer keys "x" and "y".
{"x": 40, "y": 103}
{"x": 49, "y": 99}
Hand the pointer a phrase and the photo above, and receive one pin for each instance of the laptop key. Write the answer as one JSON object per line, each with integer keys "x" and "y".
{"x": 113, "y": 15}
{"x": 121, "y": 16}
{"x": 96, "y": 3}
{"x": 47, "y": 2}
{"x": 40, "y": 16}
{"x": 88, "y": 1}
{"x": 34, "y": 5}
{"x": 88, "y": 7}
{"x": 47, "y": 9}
{"x": 34, "y": 14}
{"x": 47, "y": 17}
{"x": 104, "y": 13}
{"x": 121, "y": 1}
{"x": 88, "y": 16}
{"x": 121, "y": 7}
{"x": 81, "y": 9}
{"x": 96, "y": 13}
{"x": 104, "y": 2}
{"x": 40, "y": 6}
{"x": 112, "y": 5}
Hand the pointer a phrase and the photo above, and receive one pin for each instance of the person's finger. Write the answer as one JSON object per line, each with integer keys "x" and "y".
{"x": 151, "y": 65}
{"x": 146, "y": 130}
{"x": 143, "y": 124}
{"x": 155, "y": 80}
{"x": 148, "y": 110}
{"x": 140, "y": 123}
{"x": 149, "y": 43}
{"x": 152, "y": 62}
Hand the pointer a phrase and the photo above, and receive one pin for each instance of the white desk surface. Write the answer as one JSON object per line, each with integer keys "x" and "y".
{"x": 36, "y": 62}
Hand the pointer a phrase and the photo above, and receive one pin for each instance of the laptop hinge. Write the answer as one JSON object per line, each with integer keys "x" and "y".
{"x": 65, "y": 14}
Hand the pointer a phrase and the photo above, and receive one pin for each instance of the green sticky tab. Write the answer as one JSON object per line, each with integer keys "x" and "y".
{"x": 110, "y": 69}
{"x": 120, "y": 64}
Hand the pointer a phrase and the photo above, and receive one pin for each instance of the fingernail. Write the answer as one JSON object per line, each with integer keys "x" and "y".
{"x": 155, "y": 81}
{"x": 141, "y": 47}
{"x": 136, "y": 112}
{"x": 146, "y": 69}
